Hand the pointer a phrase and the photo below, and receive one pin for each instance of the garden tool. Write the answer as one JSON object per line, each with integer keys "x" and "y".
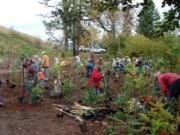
{"x": 73, "y": 116}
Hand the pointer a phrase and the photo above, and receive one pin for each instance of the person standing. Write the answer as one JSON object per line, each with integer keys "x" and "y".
{"x": 78, "y": 60}
{"x": 1, "y": 96}
{"x": 89, "y": 68}
{"x": 94, "y": 80}
{"x": 45, "y": 64}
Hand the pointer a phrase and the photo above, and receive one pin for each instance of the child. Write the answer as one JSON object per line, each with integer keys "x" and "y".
{"x": 57, "y": 88}
{"x": 41, "y": 77}
{"x": 1, "y": 97}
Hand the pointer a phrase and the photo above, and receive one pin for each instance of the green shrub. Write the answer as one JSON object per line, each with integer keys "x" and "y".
{"x": 89, "y": 97}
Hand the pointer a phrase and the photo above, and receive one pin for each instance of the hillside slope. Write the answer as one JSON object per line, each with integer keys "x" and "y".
{"x": 17, "y": 43}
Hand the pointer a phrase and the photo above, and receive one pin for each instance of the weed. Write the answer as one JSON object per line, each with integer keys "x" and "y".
{"x": 89, "y": 97}
{"x": 110, "y": 131}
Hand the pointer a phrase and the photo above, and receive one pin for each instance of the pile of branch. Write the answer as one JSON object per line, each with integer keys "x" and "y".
{"x": 80, "y": 112}
{"x": 76, "y": 111}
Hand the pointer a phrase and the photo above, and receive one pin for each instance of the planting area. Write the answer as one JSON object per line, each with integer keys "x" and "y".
{"x": 40, "y": 118}
{"x": 128, "y": 104}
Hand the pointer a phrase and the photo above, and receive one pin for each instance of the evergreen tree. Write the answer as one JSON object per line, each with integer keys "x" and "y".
{"x": 149, "y": 20}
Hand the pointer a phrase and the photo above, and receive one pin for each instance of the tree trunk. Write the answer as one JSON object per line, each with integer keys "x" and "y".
{"x": 65, "y": 39}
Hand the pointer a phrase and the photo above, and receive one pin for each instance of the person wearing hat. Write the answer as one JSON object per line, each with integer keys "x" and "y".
{"x": 169, "y": 84}
{"x": 45, "y": 64}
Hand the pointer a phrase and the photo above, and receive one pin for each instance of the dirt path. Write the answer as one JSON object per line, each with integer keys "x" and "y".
{"x": 25, "y": 119}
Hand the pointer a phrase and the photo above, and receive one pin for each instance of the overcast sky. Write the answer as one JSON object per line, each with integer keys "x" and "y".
{"x": 23, "y": 15}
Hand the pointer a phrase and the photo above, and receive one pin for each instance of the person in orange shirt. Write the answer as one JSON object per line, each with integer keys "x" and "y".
{"x": 45, "y": 64}
{"x": 41, "y": 77}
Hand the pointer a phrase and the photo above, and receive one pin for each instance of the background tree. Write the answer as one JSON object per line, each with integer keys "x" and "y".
{"x": 149, "y": 19}
{"x": 172, "y": 17}
{"x": 67, "y": 15}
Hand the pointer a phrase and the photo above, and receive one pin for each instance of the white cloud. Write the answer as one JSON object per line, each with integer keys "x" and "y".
{"x": 23, "y": 15}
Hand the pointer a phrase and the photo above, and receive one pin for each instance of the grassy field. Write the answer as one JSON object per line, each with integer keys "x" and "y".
{"x": 17, "y": 43}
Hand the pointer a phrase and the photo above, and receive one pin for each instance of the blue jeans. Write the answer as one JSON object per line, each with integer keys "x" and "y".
{"x": 46, "y": 72}
{"x": 174, "y": 90}
{"x": 41, "y": 83}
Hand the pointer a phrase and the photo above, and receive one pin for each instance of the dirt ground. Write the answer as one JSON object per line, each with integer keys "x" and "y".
{"x": 41, "y": 119}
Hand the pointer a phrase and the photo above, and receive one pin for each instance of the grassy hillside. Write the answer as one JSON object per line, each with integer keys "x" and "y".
{"x": 17, "y": 44}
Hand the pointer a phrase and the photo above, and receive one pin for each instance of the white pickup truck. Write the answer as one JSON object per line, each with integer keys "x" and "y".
{"x": 93, "y": 49}
{"x": 84, "y": 49}
{"x": 97, "y": 49}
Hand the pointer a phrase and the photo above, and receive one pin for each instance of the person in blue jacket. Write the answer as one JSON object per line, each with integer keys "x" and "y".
{"x": 89, "y": 68}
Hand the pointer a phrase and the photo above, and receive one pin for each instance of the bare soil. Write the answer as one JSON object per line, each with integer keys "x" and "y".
{"x": 41, "y": 119}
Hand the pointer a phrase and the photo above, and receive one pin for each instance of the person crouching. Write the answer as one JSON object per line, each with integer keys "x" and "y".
{"x": 169, "y": 84}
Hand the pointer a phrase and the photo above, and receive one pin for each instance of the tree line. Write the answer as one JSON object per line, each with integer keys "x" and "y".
{"x": 78, "y": 19}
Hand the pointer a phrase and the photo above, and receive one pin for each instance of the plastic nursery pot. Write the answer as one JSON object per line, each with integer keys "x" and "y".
{"x": 60, "y": 114}
{"x": 88, "y": 115}
{"x": 99, "y": 114}
{"x": 67, "y": 109}
{"x": 83, "y": 127}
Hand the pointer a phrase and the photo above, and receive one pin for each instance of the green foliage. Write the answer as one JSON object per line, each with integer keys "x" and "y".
{"x": 68, "y": 89}
{"x": 89, "y": 97}
{"x": 130, "y": 68}
{"x": 55, "y": 70}
{"x": 158, "y": 120}
{"x": 37, "y": 90}
{"x": 148, "y": 20}
{"x": 116, "y": 44}
{"x": 140, "y": 83}
{"x": 13, "y": 75}
{"x": 122, "y": 100}
{"x": 110, "y": 131}
{"x": 120, "y": 116}
{"x": 17, "y": 44}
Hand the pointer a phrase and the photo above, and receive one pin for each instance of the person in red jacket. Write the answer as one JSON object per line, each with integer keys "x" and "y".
{"x": 95, "y": 79}
{"x": 169, "y": 84}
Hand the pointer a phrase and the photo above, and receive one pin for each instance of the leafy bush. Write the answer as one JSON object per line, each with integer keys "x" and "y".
{"x": 55, "y": 70}
{"x": 68, "y": 90}
{"x": 89, "y": 97}
{"x": 110, "y": 131}
{"x": 158, "y": 120}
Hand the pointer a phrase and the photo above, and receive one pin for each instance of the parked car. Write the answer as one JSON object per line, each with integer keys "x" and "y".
{"x": 97, "y": 49}
{"x": 84, "y": 49}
